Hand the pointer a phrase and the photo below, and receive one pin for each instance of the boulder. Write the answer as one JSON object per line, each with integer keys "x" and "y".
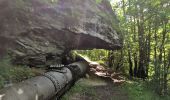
{"x": 38, "y": 32}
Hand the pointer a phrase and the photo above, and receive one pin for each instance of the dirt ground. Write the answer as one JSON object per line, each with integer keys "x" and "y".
{"x": 101, "y": 84}
{"x": 99, "y": 89}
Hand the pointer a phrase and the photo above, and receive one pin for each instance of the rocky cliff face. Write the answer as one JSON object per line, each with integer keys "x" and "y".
{"x": 41, "y": 31}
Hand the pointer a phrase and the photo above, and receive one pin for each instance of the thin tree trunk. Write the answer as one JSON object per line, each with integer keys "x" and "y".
{"x": 135, "y": 64}
{"x": 130, "y": 64}
{"x": 141, "y": 69}
{"x": 120, "y": 63}
{"x": 110, "y": 58}
{"x": 157, "y": 75}
{"x": 148, "y": 50}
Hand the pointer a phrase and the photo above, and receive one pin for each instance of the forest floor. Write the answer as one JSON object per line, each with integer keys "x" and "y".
{"x": 96, "y": 89}
{"x": 98, "y": 85}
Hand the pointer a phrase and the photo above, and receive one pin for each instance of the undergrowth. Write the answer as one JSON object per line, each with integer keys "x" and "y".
{"x": 79, "y": 87}
{"x": 135, "y": 90}
{"x": 10, "y": 74}
{"x": 142, "y": 90}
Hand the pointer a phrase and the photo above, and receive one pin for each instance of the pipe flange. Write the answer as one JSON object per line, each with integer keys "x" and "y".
{"x": 53, "y": 80}
{"x": 74, "y": 70}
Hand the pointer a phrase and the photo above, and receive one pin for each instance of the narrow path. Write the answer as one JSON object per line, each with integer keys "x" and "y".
{"x": 102, "y": 84}
{"x": 96, "y": 89}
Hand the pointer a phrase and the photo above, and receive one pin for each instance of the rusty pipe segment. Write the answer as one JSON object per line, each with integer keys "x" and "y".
{"x": 52, "y": 84}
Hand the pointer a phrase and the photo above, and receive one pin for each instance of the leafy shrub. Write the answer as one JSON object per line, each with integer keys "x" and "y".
{"x": 141, "y": 90}
{"x": 12, "y": 74}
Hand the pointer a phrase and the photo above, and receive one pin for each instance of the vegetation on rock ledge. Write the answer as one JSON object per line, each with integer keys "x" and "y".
{"x": 10, "y": 74}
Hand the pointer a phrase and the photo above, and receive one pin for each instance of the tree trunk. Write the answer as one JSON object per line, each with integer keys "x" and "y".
{"x": 110, "y": 58}
{"x": 148, "y": 47}
{"x": 141, "y": 68}
{"x": 135, "y": 65}
{"x": 120, "y": 63}
{"x": 130, "y": 64}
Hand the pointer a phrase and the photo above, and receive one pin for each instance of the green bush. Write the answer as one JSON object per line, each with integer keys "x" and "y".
{"x": 141, "y": 90}
{"x": 10, "y": 73}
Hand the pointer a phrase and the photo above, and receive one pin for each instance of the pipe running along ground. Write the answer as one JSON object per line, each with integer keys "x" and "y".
{"x": 52, "y": 84}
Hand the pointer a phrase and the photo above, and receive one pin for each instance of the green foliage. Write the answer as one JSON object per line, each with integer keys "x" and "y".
{"x": 80, "y": 87}
{"x": 50, "y": 1}
{"x": 98, "y": 1}
{"x": 20, "y": 73}
{"x": 95, "y": 54}
{"x": 146, "y": 34}
{"x": 54, "y": 0}
{"x": 140, "y": 90}
{"x": 103, "y": 57}
{"x": 12, "y": 74}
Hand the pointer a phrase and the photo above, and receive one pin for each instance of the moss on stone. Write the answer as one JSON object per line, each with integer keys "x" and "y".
{"x": 50, "y": 1}
{"x": 98, "y": 1}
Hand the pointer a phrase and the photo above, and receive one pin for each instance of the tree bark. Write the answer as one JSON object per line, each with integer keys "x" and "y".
{"x": 130, "y": 64}
{"x": 142, "y": 52}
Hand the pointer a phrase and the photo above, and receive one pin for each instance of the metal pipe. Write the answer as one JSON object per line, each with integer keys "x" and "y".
{"x": 45, "y": 87}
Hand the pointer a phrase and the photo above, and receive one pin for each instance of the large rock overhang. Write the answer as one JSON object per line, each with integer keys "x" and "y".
{"x": 36, "y": 28}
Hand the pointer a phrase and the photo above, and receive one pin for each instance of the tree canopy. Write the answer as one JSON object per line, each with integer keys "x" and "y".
{"x": 145, "y": 28}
